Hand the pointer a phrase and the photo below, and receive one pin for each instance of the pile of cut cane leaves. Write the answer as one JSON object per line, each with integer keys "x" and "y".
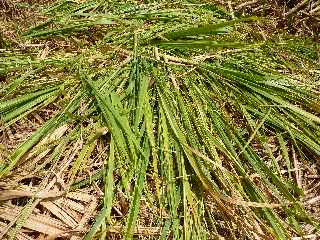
{"x": 175, "y": 116}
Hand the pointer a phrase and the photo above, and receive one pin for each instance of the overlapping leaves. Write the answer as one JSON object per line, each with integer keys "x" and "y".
{"x": 200, "y": 129}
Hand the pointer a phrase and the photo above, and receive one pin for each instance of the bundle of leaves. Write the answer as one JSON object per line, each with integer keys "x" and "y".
{"x": 189, "y": 126}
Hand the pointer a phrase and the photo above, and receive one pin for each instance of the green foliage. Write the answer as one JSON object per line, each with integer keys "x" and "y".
{"x": 185, "y": 103}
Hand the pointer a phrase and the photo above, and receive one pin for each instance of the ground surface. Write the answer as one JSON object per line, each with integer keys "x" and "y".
{"x": 37, "y": 201}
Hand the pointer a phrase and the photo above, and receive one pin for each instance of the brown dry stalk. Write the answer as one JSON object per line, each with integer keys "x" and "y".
{"x": 12, "y": 194}
{"x": 297, "y": 8}
{"x": 139, "y": 230}
{"x": 39, "y": 223}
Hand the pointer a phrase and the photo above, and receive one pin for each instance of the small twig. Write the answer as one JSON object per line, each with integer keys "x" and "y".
{"x": 315, "y": 187}
{"x": 315, "y": 10}
{"x": 245, "y": 4}
{"x": 156, "y": 53}
{"x": 12, "y": 194}
{"x": 310, "y": 236}
{"x": 31, "y": 45}
{"x": 231, "y": 9}
{"x": 256, "y": 9}
{"x": 139, "y": 230}
{"x": 313, "y": 176}
{"x": 174, "y": 81}
{"x": 262, "y": 33}
{"x": 296, "y": 8}
{"x": 313, "y": 200}
{"x": 296, "y": 167}
{"x": 168, "y": 58}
